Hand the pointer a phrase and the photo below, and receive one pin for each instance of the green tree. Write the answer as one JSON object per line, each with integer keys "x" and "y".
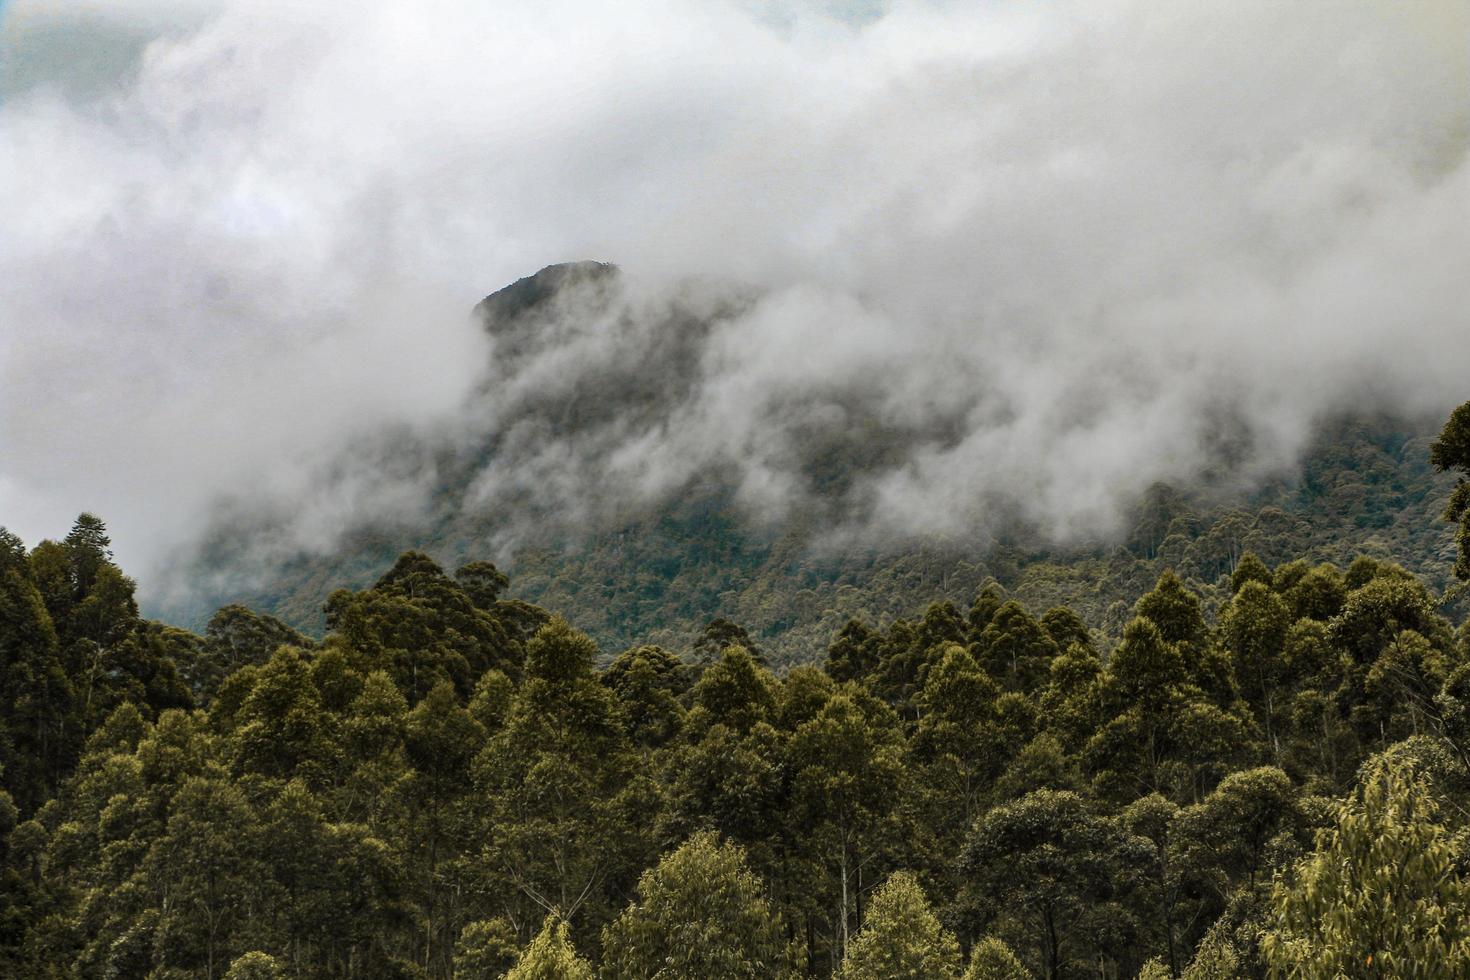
{"x": 1254, "y": 627}
{"x": 422, "y": 627}
{"x": 551, "y": 781}
{"x": 854, "y": 653}
{"x": 1451, "y": 452}
{"x": 482, "y": 582}
{"x": 1225, "y": 847}
{"x": 901, "y": 938}
{"x": 486, "y": 950}
{"x": 1249, "y": 569}
{"x": 256, "y": 966}
{"x": 39, "y": 729}
{"x": 1051, "y": 872}
{"x": 88, "y": 549}
{"x": 207, "y": 867}
{"x": 280, "y": 729}
{"x": 992, "y": 959}
{"x": 551, "y": 956}
{"x": 956, "y": 739}
{"x": 736, "y": 690}
{"x": 700, "y": 913}
{"x": 1173, "y": 609}
{"x": 1014, "y": 649}
{"x": 648, "y": 681}
{"x": 440, "y": 739}
{"x": 718, "y": 636}
{"x": 1382, "y": 896}
{"x": 234, "y": 637}
{"x": 849, "y": 781}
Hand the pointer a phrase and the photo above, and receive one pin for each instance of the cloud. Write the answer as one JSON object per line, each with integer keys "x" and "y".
{"x": 1007, "y": 260}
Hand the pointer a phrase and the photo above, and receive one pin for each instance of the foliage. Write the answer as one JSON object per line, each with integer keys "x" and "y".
{"x": 1242, "y": 761}
{"x": 902, "y": 939}
{"x": 992, "y": 959}
{"x": 1383, "y": 896}
{"x": 550, "y": 957}
{"x": 700, "y": 913}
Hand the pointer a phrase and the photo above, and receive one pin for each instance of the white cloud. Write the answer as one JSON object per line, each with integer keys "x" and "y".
{"x": 1057, "y": 246}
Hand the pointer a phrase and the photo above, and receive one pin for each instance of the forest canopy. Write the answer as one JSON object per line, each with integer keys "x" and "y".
{"x": 455, "y": 783}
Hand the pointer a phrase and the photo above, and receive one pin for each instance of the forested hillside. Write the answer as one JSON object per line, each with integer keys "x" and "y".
{"x": 449, "y": 784}
{"x": 660, "y": 570}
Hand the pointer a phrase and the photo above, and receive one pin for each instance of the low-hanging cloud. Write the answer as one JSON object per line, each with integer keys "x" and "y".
{"x": 1011, "y": 260}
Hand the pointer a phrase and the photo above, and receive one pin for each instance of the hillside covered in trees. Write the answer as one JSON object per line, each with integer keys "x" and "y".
{"x": 453, "y": 783}
{"x": 658, "y": 570}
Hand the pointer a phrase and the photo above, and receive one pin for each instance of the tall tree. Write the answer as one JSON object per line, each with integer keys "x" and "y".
{"x": 551, "y": 781}
{"x": 551, "y": 956}
{"x": 1048, "y": 870}
{"x": 849, "y": 783}
{"x": 700, "y": 913}
{"x": 1381, "y": 897}
{"x": 901, "y": 938}
{"x": 1451, "y": 452}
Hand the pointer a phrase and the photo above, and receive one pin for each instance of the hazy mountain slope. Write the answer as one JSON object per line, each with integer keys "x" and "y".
{"x": 660, "y": 570}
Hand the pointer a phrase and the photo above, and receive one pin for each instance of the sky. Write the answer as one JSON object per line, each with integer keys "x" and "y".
{"x": 1071, "y": 248}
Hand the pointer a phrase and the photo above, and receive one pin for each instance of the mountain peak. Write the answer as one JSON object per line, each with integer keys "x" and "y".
{"x": 534, "y": 291}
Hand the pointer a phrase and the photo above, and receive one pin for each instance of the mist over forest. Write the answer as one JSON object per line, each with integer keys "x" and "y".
{"x": 999, "y": 247}
{"x": 704, "y": 489}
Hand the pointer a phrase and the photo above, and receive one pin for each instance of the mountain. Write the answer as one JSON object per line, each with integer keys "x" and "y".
{"x": 655, "y": 567}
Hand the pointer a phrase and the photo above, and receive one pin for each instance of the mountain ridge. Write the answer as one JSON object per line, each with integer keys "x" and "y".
{"x": 659, "y": 570}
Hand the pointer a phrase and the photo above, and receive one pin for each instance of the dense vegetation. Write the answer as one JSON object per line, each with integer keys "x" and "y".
{"x": 453, "y": 783}
{"x": 1366, "y": 488}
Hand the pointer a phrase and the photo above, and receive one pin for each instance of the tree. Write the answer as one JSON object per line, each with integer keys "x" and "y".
{"x": 550, "y": 781}
{"x": 1376, "y": 612}
{"x": 989, "y": 599}
{"x": 1318, "y": 594}
{"x": 1249, "y": 569}
{"x": 280, "y": 729}
{"x": 1451, "y": 451}
{"x": 1225, "y": 846}
{"x": 486, "y": 950}
{"x": 648, "y": 681}
{"x": 372, "y": 734}
{"x": 1142, "y": 694}
{"x": 1014, "y": 649}
{"x": 236, "y": 636}
{"x": 1151, "y": 818}
{"x": 39, "y": 733}
{"x": 440, "y": 740}
{"x": 1255, "y": 627}
{"x": 551, "y": 956}
{"x": 729, "y": 782}
{"x": 736, "y": 690}
{"x": 256, "y": 966}
{"x": 207, "y": 865}
{"x": 992, "y": 959}
{"x": 854, "y": 653}
{"x": 88, "y": 548}
{"x": 482, "y": 582}
{"x": 718, "y": 636}
{"x": 849, "y": 771}
{"x": 956, "y": 738}
{"x": 1173, "y": 609}
{"x": 1154, "y": 970}
{"x": 422, "y": 627}
{"x": 901, "y": 938}
{"x": 1067, "y": 629}
{"x": 700, "y": 913}
{"x": 1382, "y": 896}
{"x": 1051, "y": 871}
